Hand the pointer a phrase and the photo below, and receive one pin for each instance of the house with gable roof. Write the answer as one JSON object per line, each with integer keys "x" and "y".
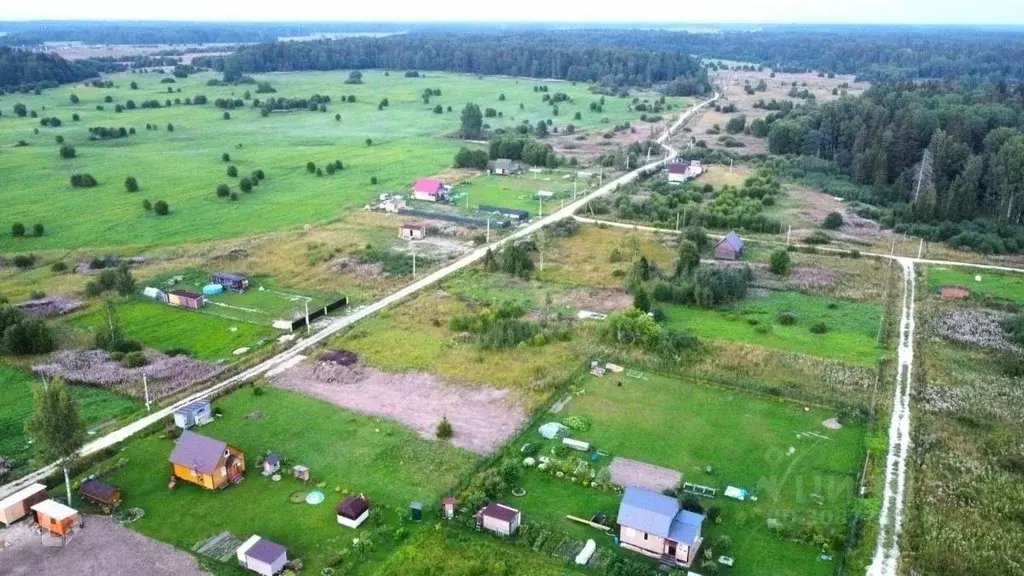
{"x": 654, "y": 525}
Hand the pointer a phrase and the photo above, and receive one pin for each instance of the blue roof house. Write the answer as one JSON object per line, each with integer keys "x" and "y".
{"x": 653, "y": 524}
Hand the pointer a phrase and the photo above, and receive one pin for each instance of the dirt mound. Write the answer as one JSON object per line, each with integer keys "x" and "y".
{"x": 166, "y": 374}
{"x": 357, "y": 268}
{"x": 483, "y": 418}
{"x": 50, "y": 306}
{"x": 339, "y": 357}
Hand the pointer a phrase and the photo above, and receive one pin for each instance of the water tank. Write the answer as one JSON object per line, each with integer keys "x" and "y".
{"x": 212, "y": 289}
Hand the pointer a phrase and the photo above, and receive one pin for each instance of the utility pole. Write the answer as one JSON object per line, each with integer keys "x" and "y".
{"x": 920, "y": 249}
{"x": 540, "y": 207}
{"x": 488, "y": 229}
{"x": 788, "y": 233}
{"x": 892, "y": 251}
{"x": 677, "y": 221}
{"x": 308, "y": 328}
{"x": 730, "y": 165}
{"x": 145, "y": 388}
{"x": 414, "y": 263}
{"x": 574, "y": 189}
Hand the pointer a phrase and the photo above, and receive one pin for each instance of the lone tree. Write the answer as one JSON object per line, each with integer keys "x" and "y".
{"x": 310, "y": 167}
{"x": 131, "y": 184}
{"x": 56, "y": 427}
{"x": 689, "y": 258}
{"x": 369, "y": 141}
{"x": 444, "y": 429}
{"x": 225, "y": 157}
{"x": 17, "y": 229}
{"x": 73, "y": 98}
{"x": 780, "y": 262}
{"x": 223, "y": 191}
{"x": 232, "y": 171}
{"x": 38, "y": 229}
{"x": 161, "y": 208}
{"x": 472, "y": 122}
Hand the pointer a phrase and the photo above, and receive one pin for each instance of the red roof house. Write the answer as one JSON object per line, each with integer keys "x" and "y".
{"x": 429, "y": 189}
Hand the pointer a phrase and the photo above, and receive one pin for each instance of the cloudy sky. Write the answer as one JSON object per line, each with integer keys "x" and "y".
{"x": 782, "y": 11}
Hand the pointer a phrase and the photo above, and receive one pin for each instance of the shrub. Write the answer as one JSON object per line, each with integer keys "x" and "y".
{"x": 444, "y": 429}
{"x": 67, "y": 151}
{"x": 225, "y": 157}
{"x": 161, "y": 208}
{"x": 134, "y": 359}
{"x": 258, "y": 174}
{"x": 38, "y": 229}
{"x": 59, "y": 267}
{"x": 83, "y": 181}
{"x": 131, "y": 184}
{"x": 232, "y": 171}
{"x": 780, "y": 262}
{"x": 146, "y": 205}
{"x": 310, "y": 167}
{"x": 833, "y": 221}
{"x": 17, "y": 230}
{"x": 816, "y": 237}
{"x": 24, "y": 261}
{"x": 233, "y": 196}
{"x": 245, "y": 184}
{"x": 373, "y": 179}
{"x": 786, "y": 318}
{"x": 223, "y": 191}
{"x": 819, "y": 328}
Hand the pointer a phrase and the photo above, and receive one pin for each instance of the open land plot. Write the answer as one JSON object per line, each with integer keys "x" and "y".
{"x": 803, "y": 473}
{"x": 966, "y": 460}
{"x": 158, "y": 326}
{"x": 592, "y": 257}
{"x": 102, "y": 546}
{"x": 482, "y": 417}
{"x": 852, "y": 327}
{"x": 415, "y": 336}
{"x": 346, "y": 452}
{"x": 1001, "y": 286}
{"x": 184, "y": 167}
{"x": 96, "y": 407}
{"x": 540, "y": 297}
{"x": 518, "y": 192}
{"x": 777, "y": 88}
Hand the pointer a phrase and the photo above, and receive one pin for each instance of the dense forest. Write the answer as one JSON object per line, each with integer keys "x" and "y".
{"x": 535, "y": 55}
{"x": 945, "y": 161}
{"x": 21, "y": 69}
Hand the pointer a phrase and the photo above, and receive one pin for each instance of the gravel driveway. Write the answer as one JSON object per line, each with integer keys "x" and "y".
{"x": 101, "y": 547}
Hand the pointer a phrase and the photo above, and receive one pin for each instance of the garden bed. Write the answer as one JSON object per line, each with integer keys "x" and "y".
{"x": 167, "y": 374}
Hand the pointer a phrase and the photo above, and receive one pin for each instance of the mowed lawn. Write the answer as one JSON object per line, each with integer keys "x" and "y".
{"x": 95, "y": 406}
{"x": 163, "y": 327}
{"x": 388, "y": 463}
{"x": 851, "y": 336}
{"x": 183, "y": 167}
{"x": 1003, "y": 286}
{"x": 453, "y": 552}
{"x": 518, "y": 192}
{"x": 801, "y": 472}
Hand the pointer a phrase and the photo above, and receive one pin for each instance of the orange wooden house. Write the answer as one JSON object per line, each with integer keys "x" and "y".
{"x": 207, "y": 462}
{"x": 55, "y": 517}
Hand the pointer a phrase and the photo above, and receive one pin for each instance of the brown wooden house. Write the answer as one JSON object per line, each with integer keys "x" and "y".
{"x": 101, "y": 493}
{"x": 207, "y": 462}
{"x": 186, "y": 299}
{"x": 55, "y": 517}
{"x": 730, "y": 248}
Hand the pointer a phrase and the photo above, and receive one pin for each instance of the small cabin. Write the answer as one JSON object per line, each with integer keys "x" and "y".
{"x": 55, "y": 517}
{"x": 448, "y": 506}
{"x": 730, "y": 248}
{"x": 262, "y": 556}
{"x": 207, "y": 462}
{"x": 235, "y": 282}
{"x": 98, "y": 491}
{"x": 506, "y": 167}
{"x": 18, "y": 505}
{"x": 431, "y": 190}
{"x": 353, "y": 511}
{"x": 194, "y": 414}
{"x": 413, "y": 231}
{"x": 499, "y": 518}
{"x": 186, "y": 299}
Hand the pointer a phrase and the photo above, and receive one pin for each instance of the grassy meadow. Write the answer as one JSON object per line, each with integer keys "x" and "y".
{"x": 350, "y": 453}
{"x": 184, "y": 167}
{"x": 1001, "y": 286}
{"x": 163, "y": 327}
{"x": 851, "y": 336}
{"x": 96, "y": 406}
{"x": 751, "y": 442}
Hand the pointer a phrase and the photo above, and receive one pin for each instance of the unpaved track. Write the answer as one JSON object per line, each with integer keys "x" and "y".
{"x": 887, "y": 548}
{"x": 358, "y": 314}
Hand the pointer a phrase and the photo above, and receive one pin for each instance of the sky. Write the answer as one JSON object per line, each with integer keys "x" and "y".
{"x": 1002, "y": 12}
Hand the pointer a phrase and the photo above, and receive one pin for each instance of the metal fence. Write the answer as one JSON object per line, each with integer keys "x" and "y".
{"x": 318, "y": 313}
{"x": 479, "y": 222}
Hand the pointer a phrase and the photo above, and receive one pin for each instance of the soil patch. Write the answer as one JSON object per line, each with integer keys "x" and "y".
{"x": 974, "y": 327}
{"x": 50, "y": 306}
{"x": 604, "y": 300}
{"x": 167, "y": 374}
{"x": 102, "y": 546}
{"x": 357, "y": 268}
{"x": 483, "y": 417}
{"x": 626, "y": 472}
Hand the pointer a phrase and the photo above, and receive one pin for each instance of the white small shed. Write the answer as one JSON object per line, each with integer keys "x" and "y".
{"x": 262, "y": 556}
{"x": 194, "y": 414}
{"x": 17, "y": 505}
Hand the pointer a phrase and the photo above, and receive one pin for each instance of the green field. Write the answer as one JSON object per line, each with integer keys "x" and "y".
{"x": 96, "y": 406}
{"x": 184, "y": 167}
{"x": 162, "y": 327}
{"x": 1006, "y": 286}
{"x": 519, "y": 192}
{"x": 390, "y": 464}
{"x": 450, "y": 552}
{"x": 852, "y": 326}
{"x": 746, "y": 441}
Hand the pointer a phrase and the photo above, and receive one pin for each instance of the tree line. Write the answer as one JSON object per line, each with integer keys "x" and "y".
{"x": 530, "y": 54}
{"x": 946, "y": 161}
{"x": 25, "y": 70}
